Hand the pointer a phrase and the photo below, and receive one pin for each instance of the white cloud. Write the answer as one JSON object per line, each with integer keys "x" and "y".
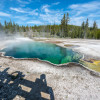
{"x": 24, "y": 2}
{"x": 24, "y": 18}
{"x": 5, "y": 14}
{"x": 46, "y": 15}
{"x": 90, "y": 7}
{"x": 80, "y": 12}
{"x": 94, "y": 16}
{"x": 49, "y": 15}
{"x": 98, "y": 23}
{"x": 77, "y": 20}
{"x": 27, "y": 11}
{"x": 52, "y": 16}
{"x": 17, "y": 10}
{"x": 34, "y": 12}
{"x": 57, "y": 3}
{"x": 37, "y": 22}
{"x": 20, "y": 22}
{"x": 45, "y": 6}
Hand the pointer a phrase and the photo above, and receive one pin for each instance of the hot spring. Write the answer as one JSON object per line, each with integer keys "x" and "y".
{"x": 44, "y": 51}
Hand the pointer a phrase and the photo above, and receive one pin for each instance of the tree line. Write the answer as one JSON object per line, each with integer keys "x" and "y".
{"x": 83, "y": 31}
{"x": 62, "y": 30}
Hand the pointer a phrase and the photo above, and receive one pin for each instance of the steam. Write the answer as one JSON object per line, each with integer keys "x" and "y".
{"x": 6, "y": 39}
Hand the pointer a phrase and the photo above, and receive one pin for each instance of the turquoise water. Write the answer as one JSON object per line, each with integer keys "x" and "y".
{"x": 44, "y": 51}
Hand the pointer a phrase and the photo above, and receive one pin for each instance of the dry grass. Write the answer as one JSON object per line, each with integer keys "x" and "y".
{"x": 39, "y": 39}
{"x": 55, "y": 42}
{"x": 68, "y": 45}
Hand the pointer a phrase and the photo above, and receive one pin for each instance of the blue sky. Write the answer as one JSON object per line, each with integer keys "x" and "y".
{"x": 42, "y": 12}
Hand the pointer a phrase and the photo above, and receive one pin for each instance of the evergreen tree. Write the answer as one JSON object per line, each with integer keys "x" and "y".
{"x": 62, "y": 30}
{"x": 63, "y": 26}
{"x": 53, "y": 32}
{"x": 5, "y": 23}
{"x": 66, "y": 27}
{"x": 83, "y": 25}
{"x": 95, "y": 30}
{"x": 86, "y": 29}
{"x": 83, "y": 29}
{"x": 1, "y": 26}
{"x": 95, "y": 25}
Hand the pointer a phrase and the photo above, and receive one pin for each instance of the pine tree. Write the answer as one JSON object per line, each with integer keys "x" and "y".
{"x": 83, "y": 25}
{"x": 1, "y": 26}
{"x": 86, "y": 29}
{"x": 95, "y": 25}
{"x": 53, "y": 32}
{"x": 95, "y": 30}
{"x": 66, "y": 27}
{"x": 5, "y": 23}
{"x": 82, "y": 29}
{"x": 63, "y": 24}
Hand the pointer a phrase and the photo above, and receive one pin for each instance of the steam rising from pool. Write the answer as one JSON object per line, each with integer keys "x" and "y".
{"x": 27, "y": 48}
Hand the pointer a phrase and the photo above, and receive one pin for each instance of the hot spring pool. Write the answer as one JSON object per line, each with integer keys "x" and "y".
{"x": 44, "y": 51}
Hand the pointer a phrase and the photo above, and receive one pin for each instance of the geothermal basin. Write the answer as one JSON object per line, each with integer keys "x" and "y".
{"x": 68, "y": 81}
{"x": 44, "y": 51}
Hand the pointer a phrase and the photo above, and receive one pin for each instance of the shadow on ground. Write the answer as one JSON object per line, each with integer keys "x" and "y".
{"x": 14, "y": 85}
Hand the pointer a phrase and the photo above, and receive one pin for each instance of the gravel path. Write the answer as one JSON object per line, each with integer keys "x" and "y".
{"x": 71, "y": 82}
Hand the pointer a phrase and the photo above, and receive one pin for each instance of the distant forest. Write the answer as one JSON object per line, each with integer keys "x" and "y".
{"x": 63, "y": 30}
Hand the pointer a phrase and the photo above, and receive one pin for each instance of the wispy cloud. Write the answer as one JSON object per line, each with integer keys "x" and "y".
{"x": 57, "y": 3}
{"x": 46, "y": 14}
{"x": 50, "y": 13}
{"x": 28, "y": 11}
{"x": 50, "y": 19}
{"x": 45, "y": 6}
{"x": 50, "y": 16}
{"x": 36, "y": 22}
{"x": 5, "y": 14}
{"x": 17, "y": 10}
{"x": 90, "y": 7}
{"x": 23, "y": 18}
{"x": 80, "y": 12}
{"x": 98, "y": 22}
{"x": 76, "y": 20}
{"x": 34, "y": 12}
{"x": 24, "y": 2}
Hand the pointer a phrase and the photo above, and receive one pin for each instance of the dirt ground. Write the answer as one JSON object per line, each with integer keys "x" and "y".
{"x": 22, "y": 79}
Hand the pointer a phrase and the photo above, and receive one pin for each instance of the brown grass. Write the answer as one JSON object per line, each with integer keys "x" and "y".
{"x": 54, "y": 42}
{"x": 68, "y": 45}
